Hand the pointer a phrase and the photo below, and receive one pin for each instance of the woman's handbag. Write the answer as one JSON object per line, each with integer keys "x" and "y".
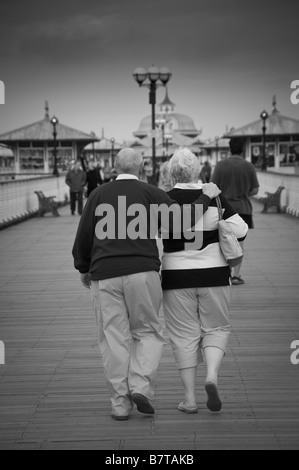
{"x": 229, "y": 244}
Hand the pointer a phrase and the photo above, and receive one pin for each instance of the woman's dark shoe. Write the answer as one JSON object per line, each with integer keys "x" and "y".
{"x": 120, "y": 418}
{"x": 214, "y": 403}
{"x": 237, "y": 281}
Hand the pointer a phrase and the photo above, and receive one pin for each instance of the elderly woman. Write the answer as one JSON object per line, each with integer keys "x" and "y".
{"x": 197, "y": 287}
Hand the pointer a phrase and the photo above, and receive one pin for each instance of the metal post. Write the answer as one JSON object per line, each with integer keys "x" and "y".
{"x": 149, "y": 79}
{"x": 55, "y": 170}
{"x": 264, "y": 163}
{"x": 217, "y": 148}
{"x": 112, "y": 140}
{"x": 93, "y": 147}
{"x": 264, "y": 115}
{"x": 152, "y": 100}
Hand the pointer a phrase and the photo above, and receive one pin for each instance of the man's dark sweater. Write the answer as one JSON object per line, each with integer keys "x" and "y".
{"x": 109, "y": 258}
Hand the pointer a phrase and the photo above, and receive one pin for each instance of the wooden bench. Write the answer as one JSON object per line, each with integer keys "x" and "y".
{"x": 272, "y": 199}
{"x": 46, "y": 204}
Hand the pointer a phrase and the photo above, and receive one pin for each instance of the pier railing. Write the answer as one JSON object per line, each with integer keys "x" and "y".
{"x": 18, "y": 200}
{"x": 270, "y": 181}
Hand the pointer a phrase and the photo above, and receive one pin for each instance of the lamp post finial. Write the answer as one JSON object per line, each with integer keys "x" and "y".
{"x": 47, "y": 110}
{"x": 274, "y": 103}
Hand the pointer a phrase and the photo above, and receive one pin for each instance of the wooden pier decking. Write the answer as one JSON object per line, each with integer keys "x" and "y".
{"x": 53, "y": 393}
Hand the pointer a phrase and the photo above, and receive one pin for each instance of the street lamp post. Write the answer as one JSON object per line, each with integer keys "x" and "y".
{"x": 152, "y": 79}
{"x": 264, "y": 116}
{"x": 161, "y": 122}
{"x": 168, "y": 138}
{"x": 217, "y": 147}
{"x": 54, "y": 122}
{"x": 112, "y": 140}
{"x": 93, "y": 147}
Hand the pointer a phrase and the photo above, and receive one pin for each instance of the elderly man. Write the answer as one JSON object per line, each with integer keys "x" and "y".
{"x": 76, "y": 179}
{"x": 122, "y": 272}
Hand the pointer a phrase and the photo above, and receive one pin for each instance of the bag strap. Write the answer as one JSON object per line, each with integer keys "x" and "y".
{"x": 219, "y": 206}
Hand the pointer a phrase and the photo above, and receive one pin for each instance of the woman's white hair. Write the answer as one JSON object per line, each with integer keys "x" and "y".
{"x": 184, "y": 166}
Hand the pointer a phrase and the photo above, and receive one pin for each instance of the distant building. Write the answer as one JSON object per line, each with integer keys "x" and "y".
{"x": 215, "y": 150}
{"x": 103, "y": 151}
{"x": 33, "y": 146}
{"x": 173, "y": 130}
{"x": 7, "y": 162}
{"x": 282, "y": 139}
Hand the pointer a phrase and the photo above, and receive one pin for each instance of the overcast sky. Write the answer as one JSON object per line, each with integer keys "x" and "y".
{"x": 228, "y": 58}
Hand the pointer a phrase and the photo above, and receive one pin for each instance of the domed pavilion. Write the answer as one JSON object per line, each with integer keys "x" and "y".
{"x": 173, "y": 130}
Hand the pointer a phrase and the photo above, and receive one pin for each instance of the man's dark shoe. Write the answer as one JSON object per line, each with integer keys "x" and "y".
{"x": 143, "y": 404}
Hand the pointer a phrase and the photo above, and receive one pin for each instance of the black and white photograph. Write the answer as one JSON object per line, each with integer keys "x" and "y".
{"x": 149, "y": 216}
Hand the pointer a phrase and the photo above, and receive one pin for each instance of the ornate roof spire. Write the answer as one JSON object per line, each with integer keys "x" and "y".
{"x": 47, "y": 110}
{"x": 274, "y": 104}
{"x": 167, "y": 106}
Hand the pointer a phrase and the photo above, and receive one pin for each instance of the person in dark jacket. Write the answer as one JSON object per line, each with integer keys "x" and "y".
{"x": 206, "y": 173}
{"x": 76, "y": 179}
{"x": 237, "y": 179}
{"x": 93, "y": 178}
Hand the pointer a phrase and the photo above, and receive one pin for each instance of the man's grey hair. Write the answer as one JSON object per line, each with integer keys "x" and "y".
{"x": 184, "y": 166}
{"x": 128, "y": 161}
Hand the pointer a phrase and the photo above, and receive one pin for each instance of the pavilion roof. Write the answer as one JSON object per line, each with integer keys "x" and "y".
{"x": 104, "y": 144}
{"x": 212, "y": 144}
{"x": 177, "y": 139}
{"x": 277, "y": 124}
{"x": 43, "y": 131}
